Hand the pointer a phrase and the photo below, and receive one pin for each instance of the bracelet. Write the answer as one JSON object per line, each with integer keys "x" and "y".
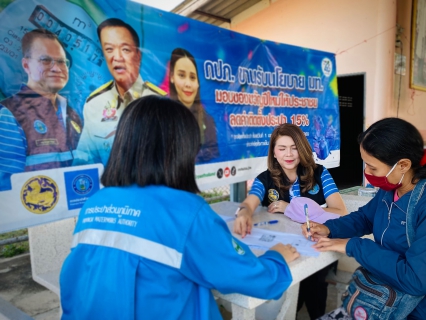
{"x": 238, "y": 210}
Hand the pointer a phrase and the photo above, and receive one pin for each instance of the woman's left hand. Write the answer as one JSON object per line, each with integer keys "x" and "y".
{"x": 277, "y": 206}
{"x": 327, "y": 244}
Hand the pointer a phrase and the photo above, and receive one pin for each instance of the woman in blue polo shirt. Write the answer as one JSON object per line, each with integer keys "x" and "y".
{"x": 292, "y": 172}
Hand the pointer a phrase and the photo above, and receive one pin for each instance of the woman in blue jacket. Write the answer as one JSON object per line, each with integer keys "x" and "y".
{"x": 147, "y": 246}
{"x": 392, "y": 150}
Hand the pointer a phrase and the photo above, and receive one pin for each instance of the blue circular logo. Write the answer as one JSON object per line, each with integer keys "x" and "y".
{"x": 82, "y": 184}
{"x": 314, "y": 190}
{"x": 40, "y": 127}
{"x": 327, "y": 67}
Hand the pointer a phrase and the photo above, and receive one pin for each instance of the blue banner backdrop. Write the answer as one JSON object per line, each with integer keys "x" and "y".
{"x": 239, "y": 88}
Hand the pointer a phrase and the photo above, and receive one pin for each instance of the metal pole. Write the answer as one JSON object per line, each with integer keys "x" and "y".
{"x": 13, "y": 240}
{"x": 238, "y": 191}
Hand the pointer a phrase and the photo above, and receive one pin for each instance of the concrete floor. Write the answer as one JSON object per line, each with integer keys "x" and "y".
{"x": 18, "y": 288}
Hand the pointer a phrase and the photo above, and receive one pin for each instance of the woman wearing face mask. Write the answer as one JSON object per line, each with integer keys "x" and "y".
{"x": 392, "y": 150}
{"x": 184, "y": 85}
{"x": 292, "y": 172}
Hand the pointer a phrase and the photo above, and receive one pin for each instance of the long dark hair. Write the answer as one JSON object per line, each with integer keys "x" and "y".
{"x": 196, "y": 108}
{"x": 307, "y": 165}
{"x": 392, "y": 139}
{"x": 156, "y": 142}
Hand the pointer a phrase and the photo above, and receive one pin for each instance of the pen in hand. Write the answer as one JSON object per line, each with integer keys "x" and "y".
{"x": 264, "y": 223}
{"x": 307, "y": 221}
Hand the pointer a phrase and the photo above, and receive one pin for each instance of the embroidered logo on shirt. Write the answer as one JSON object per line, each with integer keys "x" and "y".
{"x": 314, "y": 190}
{"x": 40, "y": 127}
{"x": 109, "y": 112}
{"x": 273, "y": 195}
{"x": 237, "y": 247}
{"x": 40, "y": 194}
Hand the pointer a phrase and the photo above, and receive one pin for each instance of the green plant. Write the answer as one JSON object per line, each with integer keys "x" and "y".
{"x": 11, "y": 250}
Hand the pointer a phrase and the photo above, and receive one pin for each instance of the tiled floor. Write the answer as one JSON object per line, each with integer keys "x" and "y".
{"x": 331, "y": 304}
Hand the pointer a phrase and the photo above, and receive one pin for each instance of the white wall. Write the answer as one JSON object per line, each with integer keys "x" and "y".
{"x": 412, "y": 103}
{"x": 361, "y": 33}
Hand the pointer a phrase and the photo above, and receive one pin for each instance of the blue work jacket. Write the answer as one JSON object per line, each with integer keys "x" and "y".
{"x": 156, "y": 253}
{"x": 388, "y": 257}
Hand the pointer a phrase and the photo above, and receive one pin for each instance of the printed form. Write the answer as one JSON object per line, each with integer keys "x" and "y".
{"x": 265, "y": 239}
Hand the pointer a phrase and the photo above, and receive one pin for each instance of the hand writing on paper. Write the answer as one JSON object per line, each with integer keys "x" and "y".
{"x": 277, "y": 206}
{"x": 317, "y": 231}
{"x": 326, "y": 244}
{"x": 288, "y": 252}
{"x": 243, "y": 223}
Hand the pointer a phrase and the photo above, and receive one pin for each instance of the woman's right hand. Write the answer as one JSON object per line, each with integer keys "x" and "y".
{"x": 243, "y": 223}
{"x": 317, "y": 231}
{"x": 288, "y": 252}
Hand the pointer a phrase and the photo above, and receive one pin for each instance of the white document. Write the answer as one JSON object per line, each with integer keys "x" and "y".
{"x": 265, "y": 239}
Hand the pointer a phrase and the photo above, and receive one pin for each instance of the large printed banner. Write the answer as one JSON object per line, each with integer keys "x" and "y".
{"x": 61, "y": 101}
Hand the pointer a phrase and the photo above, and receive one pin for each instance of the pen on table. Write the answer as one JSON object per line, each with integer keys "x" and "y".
{"x": 307, "y": 220}
{"x": 263, "y": 223}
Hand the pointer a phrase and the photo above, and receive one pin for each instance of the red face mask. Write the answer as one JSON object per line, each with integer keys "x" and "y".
{"x": 382, "y": 182}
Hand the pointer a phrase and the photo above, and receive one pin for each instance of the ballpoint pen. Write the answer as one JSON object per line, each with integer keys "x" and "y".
{"x": 307, "y": 220}
{"x": 264, "y": 223}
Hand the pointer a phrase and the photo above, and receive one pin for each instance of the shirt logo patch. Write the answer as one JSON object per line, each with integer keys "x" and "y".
{"x": 109, "y": 115}
{"x": 109, "y": 112}
{"x": 237, "y": 247}
{"x": 46, "y": 142}
{"x": 314, "y": 190}
{"x": 273, "y": 195}
{"x": 360, "y": 313}
{"x": 40, "y": 127}
{"x": 40, "y": 194}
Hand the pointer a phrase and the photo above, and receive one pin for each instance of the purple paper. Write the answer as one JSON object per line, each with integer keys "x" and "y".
{"x": 295, "y": 211}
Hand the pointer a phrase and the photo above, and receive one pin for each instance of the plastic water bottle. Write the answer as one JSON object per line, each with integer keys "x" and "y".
{"x": 367, "y": 192}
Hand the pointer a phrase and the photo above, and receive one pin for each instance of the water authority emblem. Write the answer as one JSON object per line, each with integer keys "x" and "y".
{"x": 40, "y": 194}
{"x": 82, "y": 184}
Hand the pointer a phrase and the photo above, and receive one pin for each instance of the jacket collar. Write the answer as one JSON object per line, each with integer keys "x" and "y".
{"x": 401, "y": 203}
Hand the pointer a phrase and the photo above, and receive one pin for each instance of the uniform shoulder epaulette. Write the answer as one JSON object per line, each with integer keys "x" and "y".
{"x": 155, "y": 89}
{"x": 105, "y": 87}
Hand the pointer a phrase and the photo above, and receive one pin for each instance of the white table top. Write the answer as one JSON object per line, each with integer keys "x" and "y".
{"x": 301, "y": 268}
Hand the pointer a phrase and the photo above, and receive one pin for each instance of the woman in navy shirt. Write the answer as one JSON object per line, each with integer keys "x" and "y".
{"x": 292, "y": 172}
